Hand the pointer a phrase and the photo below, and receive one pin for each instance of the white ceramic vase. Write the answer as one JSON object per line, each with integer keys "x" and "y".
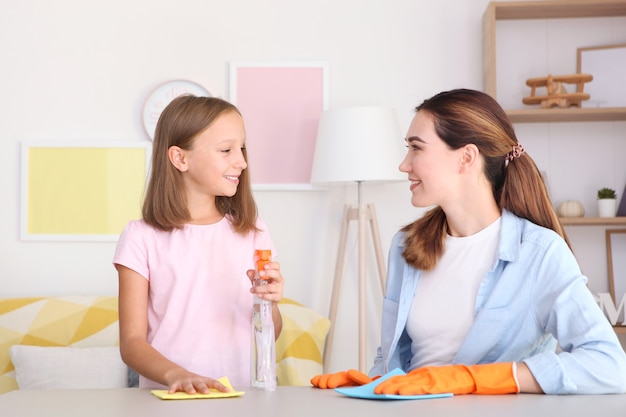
{"x": 607, "y": 207}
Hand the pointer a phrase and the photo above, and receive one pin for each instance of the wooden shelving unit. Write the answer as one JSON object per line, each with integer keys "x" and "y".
{"x": 593, "y": 221}
{"x": 517, "y": 10}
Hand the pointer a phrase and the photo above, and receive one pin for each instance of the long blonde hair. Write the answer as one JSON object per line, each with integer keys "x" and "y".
{"x": 462, "y": 117}
{"x": 165, "y": 203}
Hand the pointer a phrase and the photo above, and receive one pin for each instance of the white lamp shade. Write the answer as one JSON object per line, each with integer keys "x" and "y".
{"x": 358, "y": 144}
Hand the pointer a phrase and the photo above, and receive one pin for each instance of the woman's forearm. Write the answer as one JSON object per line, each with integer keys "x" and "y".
{"x": 526, "y": 380}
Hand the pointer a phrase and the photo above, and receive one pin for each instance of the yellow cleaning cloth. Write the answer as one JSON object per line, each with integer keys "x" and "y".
{"x": 164, "y": 395}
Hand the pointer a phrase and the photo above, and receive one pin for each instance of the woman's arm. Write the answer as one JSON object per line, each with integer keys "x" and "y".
{"x": 526, "y": 381}
{"x": 590, "y": 359}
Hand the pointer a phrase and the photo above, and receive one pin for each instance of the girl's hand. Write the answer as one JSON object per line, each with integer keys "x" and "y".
{"x": 273, "y": 290}
{"x": 185, "y": 381}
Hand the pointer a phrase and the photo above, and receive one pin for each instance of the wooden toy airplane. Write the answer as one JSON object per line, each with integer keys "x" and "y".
{"x": 557, "y": 95}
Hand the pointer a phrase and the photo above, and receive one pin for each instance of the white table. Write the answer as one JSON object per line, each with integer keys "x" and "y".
{"x": 299, "y": 402}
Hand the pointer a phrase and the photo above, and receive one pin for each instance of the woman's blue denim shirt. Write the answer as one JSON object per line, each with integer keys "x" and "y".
{"x": 533, "y": 299}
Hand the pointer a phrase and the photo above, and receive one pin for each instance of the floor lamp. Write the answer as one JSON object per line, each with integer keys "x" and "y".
{"x": 357, "y": 144}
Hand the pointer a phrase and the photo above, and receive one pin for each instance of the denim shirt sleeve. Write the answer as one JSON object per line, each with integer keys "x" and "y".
{"x": 395, "y": 348}
{"x": 591, "y": 359}
{"x": 540, "y": 288}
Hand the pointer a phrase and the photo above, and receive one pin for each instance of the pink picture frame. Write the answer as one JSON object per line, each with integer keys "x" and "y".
{"x": 281, "y": 103}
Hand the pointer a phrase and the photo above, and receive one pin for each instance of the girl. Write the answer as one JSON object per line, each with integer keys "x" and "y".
{"x": 185, "y": 304}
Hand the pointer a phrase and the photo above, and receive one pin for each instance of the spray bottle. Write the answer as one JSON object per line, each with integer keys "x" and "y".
{"x": 263, "y": 350}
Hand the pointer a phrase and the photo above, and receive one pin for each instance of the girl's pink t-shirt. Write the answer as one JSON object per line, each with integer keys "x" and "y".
{"x": 200, "y": 305}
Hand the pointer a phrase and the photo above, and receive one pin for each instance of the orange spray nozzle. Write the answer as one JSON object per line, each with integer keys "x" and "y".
{"x": 262, "y": 257}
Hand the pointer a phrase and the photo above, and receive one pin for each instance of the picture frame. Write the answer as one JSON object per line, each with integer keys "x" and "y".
{"x": 621, "y": 209}
{"x": 281, "y": 104}
{"x": 79, "y": 190}
{"x": 607, "y": 65}
{"x": 616, "y": 262}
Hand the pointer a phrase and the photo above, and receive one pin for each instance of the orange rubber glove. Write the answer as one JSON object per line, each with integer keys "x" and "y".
{"x": 347, "y": 378}
{"x": 495, "y": 378}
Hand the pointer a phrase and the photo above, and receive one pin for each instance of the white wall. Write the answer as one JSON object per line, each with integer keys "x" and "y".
{"x": 82, "y": 70}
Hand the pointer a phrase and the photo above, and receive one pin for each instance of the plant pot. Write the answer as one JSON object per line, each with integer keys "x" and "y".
{"x": 607, "y": 207}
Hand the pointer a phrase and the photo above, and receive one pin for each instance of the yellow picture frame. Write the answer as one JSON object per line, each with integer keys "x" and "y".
{"x": 81, "y": 191}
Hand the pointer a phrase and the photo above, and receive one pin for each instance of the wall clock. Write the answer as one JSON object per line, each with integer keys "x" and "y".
{"x": 161, "y": 96}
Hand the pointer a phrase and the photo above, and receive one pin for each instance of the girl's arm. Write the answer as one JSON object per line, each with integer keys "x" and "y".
{"x": 137, "y": 353}
{"x": 278, "y": 320}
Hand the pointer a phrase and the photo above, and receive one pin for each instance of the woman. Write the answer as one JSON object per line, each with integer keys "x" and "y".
{"x": 483, "y": 287}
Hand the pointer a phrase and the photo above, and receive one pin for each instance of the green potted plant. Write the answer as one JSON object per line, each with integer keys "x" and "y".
{"x": 607, "y": 202}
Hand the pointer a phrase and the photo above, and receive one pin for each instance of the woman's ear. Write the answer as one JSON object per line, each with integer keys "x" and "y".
{"x": 469, "y": 157}
{"x": 177, "y": 158}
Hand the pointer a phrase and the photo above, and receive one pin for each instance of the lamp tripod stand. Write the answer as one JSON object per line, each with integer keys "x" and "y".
{"x": 362, "y": 214}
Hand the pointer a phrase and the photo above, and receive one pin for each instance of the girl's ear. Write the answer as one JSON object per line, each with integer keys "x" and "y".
{"x": 177, "y": 158}
{"x": 469, "y": 157}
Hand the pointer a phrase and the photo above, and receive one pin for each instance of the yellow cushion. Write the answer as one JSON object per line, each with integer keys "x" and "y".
{"x": 80, "y": 321}
{"x": 300, "y": 344}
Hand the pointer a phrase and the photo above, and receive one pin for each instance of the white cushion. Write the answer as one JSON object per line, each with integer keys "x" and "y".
{"x": 38, "y": 367}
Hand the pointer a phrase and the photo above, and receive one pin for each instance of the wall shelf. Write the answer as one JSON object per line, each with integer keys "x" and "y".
{"x": 558, "y": 9}
{"x": 593, "y": 221}
{"x": 585, "y": 114}
{"x": 517, "y": 10}
{"x": 620, "y": 329}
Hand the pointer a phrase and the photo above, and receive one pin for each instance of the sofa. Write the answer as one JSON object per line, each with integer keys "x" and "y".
{"x": 72, "y": 342}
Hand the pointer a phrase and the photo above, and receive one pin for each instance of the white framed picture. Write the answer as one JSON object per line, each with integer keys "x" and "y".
{"x": 607, "y": 65}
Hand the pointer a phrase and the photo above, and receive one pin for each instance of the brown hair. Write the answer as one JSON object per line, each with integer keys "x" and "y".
{"x": 466, "y": 116}
{"x": 165, "y": 203}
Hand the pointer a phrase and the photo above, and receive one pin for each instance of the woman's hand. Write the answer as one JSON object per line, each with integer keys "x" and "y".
{"x": 273, "y": 290}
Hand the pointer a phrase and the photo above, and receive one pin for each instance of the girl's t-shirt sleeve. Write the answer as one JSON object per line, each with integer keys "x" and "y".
{"x": 131, "y": 250}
